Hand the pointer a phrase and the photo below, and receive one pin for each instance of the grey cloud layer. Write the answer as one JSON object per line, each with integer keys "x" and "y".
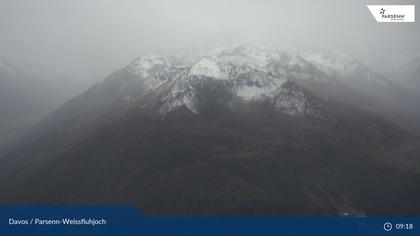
{"x": 95, "y": 37}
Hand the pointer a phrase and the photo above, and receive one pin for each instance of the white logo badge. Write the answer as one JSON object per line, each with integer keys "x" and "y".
{"x": 393, "y": 13}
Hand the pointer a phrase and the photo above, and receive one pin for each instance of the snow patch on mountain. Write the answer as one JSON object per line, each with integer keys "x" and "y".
{"x": 177, "y": 99}
{"x": 254, "y": 92}
{"x": 143, "y": 64}
{"x": 206, "y": 67}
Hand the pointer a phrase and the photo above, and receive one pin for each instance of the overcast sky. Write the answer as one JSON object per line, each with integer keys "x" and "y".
{"x": 92, "y": 38}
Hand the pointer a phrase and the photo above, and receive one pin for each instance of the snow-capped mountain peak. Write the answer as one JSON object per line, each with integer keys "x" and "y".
{"x": 245, "y": 72}
{"x": 248, "y": 73}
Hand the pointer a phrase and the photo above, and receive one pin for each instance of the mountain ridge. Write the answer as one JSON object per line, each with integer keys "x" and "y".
{"x": 236, "y": 133}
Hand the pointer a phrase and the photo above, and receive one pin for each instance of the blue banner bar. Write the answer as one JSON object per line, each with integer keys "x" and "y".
{"x": 127, "y": 220}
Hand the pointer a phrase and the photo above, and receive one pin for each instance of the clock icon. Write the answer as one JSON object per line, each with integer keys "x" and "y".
{"x": 387, "y": 226}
